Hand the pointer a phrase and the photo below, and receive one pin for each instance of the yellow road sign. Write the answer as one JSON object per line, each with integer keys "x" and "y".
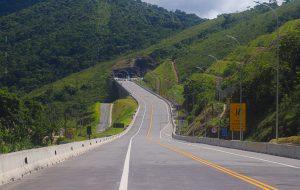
{"x": 235, "y": 116}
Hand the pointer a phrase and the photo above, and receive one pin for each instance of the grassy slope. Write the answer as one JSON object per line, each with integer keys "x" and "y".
{"x": 97, "y": 115}
{"x": 195, "y": 54}
{"x": 163, "y": 81}
{"x": 258, "y": 58}
{"x": 193, "y": 51}
{"x": 211, "y": 26}
{"x": 123, "y": 110}
{"x": 191, "y": 47}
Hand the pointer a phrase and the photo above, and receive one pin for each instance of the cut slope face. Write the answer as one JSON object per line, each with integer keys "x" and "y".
{"x": 54, "y": 38}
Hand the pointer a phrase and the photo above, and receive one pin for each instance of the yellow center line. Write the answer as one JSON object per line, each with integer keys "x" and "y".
{"x": 151, "y": 124}
{"x": 232, "y": 173}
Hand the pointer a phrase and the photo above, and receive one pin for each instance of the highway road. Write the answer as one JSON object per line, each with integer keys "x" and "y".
{"x": 147, "y": 158}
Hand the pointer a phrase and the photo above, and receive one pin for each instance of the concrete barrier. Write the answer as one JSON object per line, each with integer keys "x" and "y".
{"x": 14, "y": 166}
{"x": 288, "y": 151}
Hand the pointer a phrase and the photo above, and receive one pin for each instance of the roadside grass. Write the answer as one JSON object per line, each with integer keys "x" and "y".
{"x": 96, "y": 116}
{"x": 163, "y": 81}
{"x": 109, "y": 132}
{"x": 124, "y": 110}
{"x": 288, "y": 140}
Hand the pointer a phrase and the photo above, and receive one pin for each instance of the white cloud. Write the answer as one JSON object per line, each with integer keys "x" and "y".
{"x": 206, "y": 8}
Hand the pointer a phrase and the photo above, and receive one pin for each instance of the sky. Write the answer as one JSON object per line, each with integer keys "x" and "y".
{"x": 206, "y": 8}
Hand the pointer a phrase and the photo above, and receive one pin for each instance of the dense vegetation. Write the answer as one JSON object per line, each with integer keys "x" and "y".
{"x": 10, "y": 6}
{"x": 42, "y": 42}
{"x": 191, "y": 48}
{"x": 54, "y": 38}
{"x": 163, "y": 80}
{"x": 123, "y": 110}
{"x": 25, "y": 123}
{"x": 54, "y": 46}
{"x": 257, "y": 63}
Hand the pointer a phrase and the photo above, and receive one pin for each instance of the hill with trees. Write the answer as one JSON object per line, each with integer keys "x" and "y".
{"x": 10, "y": 6}
{"x": 190, "y": 49}
{"x": 70, "y": 100}
{"x": 51, "y": 39}
{"x": 193, "y": 49}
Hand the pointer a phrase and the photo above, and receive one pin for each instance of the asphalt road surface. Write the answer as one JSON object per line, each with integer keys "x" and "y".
{"x": 105, "y": 110}
{"x": 147, "y": 158}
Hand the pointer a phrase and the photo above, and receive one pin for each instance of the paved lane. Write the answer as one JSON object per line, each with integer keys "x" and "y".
{"x": 105, "y": 117}
{"x": 148, "y": 158}
{"x": 159, "y": 162}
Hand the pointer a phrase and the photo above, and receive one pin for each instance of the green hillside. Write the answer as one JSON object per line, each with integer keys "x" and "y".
{"x": 190, "y": 49}
{"x": 66, "y": 102}
{"x": 257, "y": 60}
{"x": 10, "y": 6}
{"x": 52, "y": 39}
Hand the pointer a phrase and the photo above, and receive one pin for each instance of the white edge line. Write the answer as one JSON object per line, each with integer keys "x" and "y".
{"x": 199, "y": 146}
{"x": 240, "y": 155}
{"x": 125, "y": 174}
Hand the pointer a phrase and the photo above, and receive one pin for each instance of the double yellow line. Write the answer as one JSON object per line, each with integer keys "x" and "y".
{"x": 222, "y": 169}
{"x": 150, "y": 125}
{"x": 247, "y": 179}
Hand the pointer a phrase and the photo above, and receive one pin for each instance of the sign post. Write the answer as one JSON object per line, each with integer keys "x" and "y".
{"x": 89, "y": 131}
{"x": 238, "y": 118}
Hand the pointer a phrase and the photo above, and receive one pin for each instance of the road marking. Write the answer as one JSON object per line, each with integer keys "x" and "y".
{"x": 199, "y": 146}
{"x": 151, "y": 124}
{"x": 232, "y": 173}
{"x": 240, "y": 155}
{"x": 125, "y": 174}
{"x": 169, "y": 120}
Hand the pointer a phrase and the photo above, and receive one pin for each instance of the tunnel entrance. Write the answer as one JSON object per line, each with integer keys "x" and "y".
{"x": 134, "y": 67}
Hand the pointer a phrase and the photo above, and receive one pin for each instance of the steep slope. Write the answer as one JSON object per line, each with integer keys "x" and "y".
{"x": 191, "y": 48}
{"x": 54, "y": 38}
{"x": 207, "y": 38}
{"x": 257, "y": 62}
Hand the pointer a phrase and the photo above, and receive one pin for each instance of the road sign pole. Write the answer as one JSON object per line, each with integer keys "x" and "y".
{"x": 277, "y": 65}
{"x": 241, "y": 110}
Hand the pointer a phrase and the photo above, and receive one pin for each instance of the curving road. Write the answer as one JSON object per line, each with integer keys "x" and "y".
{"x": 147, "y": 158}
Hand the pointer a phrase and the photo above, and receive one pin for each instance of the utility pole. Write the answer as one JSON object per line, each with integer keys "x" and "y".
{"x": 277, "y": 65}
{"x": 218, "y": 77}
